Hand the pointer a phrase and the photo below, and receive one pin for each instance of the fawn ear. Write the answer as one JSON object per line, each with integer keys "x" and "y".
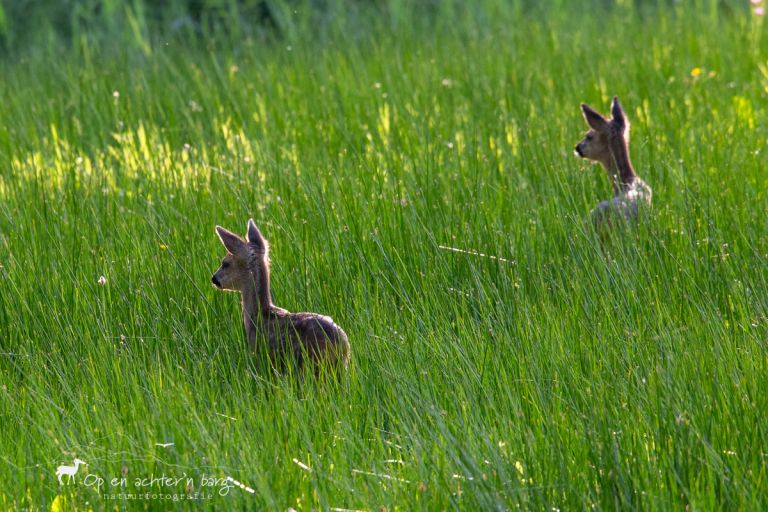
{"x": 593, "y": 118}
{"x": 231, "y": 241}
{"x": 618, "y": 113}
{"x": 255, "y": 238}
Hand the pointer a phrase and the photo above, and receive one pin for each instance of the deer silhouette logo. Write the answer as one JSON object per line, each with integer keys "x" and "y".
{"x": 70, "y": 471}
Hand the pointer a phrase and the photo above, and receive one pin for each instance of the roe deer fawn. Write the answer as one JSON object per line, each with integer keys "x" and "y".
{"x": 607, "y": 142}
{"x": 301, "y": 336}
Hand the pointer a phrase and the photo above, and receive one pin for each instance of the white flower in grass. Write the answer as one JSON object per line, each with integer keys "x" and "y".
{"x": 102, "y": 280}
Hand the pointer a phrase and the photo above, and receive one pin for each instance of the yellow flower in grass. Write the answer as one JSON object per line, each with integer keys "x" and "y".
{"x": 59, "y": 504}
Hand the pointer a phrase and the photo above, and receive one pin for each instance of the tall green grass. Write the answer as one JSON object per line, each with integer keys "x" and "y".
{"x": 413, "y": 172}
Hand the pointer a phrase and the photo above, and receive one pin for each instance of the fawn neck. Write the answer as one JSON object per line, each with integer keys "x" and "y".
{"x": 618, "y": 165}
{"x": 257, "y": 301}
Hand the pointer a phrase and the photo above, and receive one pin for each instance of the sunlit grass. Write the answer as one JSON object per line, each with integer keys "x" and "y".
{"x": 416, "y": 182}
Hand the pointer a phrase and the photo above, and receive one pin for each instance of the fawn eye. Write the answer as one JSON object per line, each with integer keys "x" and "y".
{"x": 588, "y": 137}
{"x": 224, "y": 264}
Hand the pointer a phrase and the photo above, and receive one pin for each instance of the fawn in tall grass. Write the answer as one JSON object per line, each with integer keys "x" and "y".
{"x": 607, "y": 142}
{"x": 305, "y": 337}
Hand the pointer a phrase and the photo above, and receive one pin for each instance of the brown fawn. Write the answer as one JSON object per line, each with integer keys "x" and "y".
{"x": 607, "y": 142}
{"x": 305, "y": 337}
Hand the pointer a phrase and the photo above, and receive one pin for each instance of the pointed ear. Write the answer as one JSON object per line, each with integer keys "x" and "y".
{"x": 231, "y": 241}
{"x": 618, "y": 113}
{"x": 593, "y": 118}
{"x": 255, "y": 238}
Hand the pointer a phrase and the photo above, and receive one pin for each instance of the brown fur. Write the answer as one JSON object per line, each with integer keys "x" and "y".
{"x": 607, "y": 142}
{"x": 301, "y": 336}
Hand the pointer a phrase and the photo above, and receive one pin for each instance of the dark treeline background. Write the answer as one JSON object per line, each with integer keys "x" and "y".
{"x": 40, "y": 25}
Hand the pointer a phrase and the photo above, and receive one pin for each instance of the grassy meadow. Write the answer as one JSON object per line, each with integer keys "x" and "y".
{"x": 413, "y": 170}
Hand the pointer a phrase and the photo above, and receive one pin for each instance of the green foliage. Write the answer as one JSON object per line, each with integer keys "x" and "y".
{"x": 411, "y": 166}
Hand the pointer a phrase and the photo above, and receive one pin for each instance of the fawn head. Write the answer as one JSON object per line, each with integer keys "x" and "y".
{"x": 245, "y": 262}
{"x": 604, "y": 134}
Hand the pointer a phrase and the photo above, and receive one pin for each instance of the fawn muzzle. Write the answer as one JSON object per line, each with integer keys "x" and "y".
{"x": 215, "y": 281}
